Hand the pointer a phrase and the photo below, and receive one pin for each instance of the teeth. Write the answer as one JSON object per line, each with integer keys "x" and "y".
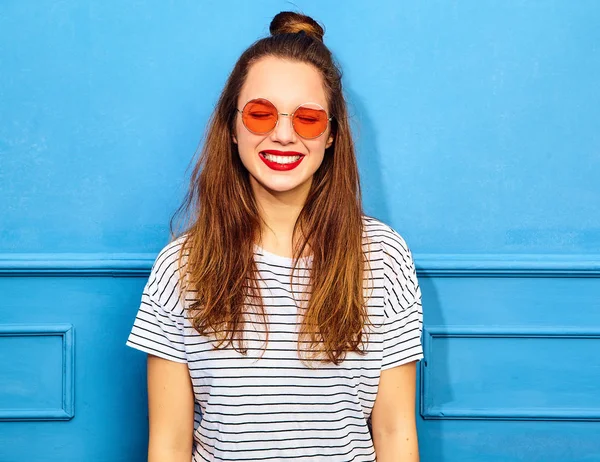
{"x": 281, "y": 159}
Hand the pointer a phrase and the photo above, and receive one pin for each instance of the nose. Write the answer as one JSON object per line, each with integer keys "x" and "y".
{"x": 284, "y": 130}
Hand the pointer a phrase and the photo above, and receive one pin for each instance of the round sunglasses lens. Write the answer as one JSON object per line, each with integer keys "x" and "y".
{"x": 259, "y": 116}
{"x": 310, "y": 122}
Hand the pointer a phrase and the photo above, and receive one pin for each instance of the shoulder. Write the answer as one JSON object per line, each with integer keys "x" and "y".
{"x": 402, "y": 292}
{"x": 393, "y": 246}
{"x": 168, "y": 255}
{"x": 165, "y": 263}
{"x": 164, "y": 279}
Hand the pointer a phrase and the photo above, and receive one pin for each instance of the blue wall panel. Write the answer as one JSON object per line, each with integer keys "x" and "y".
{"x": 109, "y": 420}
{"x": 476, "y": 125}
{"x": 37, "y": 368}
{"x": 511, "y": 373}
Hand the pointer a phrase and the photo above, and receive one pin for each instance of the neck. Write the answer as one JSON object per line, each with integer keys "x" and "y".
{"x": 279, "y": 211}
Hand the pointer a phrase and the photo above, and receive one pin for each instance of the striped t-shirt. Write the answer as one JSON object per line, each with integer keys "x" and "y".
{"x": 268, "y": 405}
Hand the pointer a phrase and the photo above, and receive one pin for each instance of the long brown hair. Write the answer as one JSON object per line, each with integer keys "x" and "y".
{"x": 223, "y": 222}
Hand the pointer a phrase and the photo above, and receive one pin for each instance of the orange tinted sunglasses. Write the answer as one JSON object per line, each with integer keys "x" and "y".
{"x": 260, "y": 116}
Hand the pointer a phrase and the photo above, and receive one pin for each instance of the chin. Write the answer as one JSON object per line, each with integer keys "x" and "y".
{"x": 280, "y": 187}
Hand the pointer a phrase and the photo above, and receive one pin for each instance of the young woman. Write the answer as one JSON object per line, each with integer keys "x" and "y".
{"x": 283, "y": 323}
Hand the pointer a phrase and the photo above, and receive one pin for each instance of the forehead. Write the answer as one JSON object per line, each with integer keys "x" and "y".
{"x": 286, "y": 84}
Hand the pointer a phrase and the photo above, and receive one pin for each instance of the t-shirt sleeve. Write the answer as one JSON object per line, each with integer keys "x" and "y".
{"x": 158, "y": 328}
{"x": 403, "y": 313}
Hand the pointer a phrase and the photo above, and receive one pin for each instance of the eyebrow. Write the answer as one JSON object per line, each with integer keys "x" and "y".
{"x": 293, "y": 106}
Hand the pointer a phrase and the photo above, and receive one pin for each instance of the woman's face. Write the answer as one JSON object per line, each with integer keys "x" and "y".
{"x": 287, "y": 84}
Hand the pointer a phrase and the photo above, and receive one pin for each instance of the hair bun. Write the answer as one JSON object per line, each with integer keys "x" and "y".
{"x": 290, "y": 22}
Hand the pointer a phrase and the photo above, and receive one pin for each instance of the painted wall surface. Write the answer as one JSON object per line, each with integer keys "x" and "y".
{"x": 476, "y": 126}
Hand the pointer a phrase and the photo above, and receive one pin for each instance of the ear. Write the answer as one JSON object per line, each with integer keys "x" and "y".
{"x": 329, "y": 141}
{"x": 234, "y": 139}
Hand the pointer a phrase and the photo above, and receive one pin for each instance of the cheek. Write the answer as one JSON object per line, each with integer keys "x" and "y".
{"x": 318, "y": 146}
{"x": 247, "y": 143}
{"x": 237, "y": 129}
{"x": 241, "y": 134}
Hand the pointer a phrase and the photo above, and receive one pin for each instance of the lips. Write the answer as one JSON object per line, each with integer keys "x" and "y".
{"x": 280, "y": 166}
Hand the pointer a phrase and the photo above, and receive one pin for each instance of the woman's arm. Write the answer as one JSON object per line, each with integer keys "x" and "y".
{"x": 393, "y": 417}
{"x": 170, "y": 410}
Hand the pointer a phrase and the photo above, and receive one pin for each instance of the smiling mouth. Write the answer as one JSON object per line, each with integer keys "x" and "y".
{"x": 280, "y": 159}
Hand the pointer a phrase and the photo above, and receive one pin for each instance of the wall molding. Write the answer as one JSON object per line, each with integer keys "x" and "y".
{"x": 67, "y": 411}
{"x": 429, "y": 412}
{"x": 428, "y": 265}
{"x": 508, "y": 265}
{"x": 80, "y": 264}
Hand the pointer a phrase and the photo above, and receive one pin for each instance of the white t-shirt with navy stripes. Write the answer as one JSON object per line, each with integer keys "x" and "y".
{"x": 268, "y": 405}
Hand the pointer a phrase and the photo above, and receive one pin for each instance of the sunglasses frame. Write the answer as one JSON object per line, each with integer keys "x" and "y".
{"x": 290, "y": 115}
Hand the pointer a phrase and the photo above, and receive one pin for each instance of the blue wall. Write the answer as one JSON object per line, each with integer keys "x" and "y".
{"x": 477, "y": 132}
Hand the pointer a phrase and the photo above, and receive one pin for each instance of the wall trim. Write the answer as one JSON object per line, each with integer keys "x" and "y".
{"x": 81, "y": 264}
{"x": 508, "y": 265}
{"x": 539, "y": 413}
{"x": 67, "y": 411}
{"x": 428, "y": 265}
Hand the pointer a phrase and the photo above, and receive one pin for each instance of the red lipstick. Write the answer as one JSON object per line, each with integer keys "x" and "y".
{"x": 278, "y": 165}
